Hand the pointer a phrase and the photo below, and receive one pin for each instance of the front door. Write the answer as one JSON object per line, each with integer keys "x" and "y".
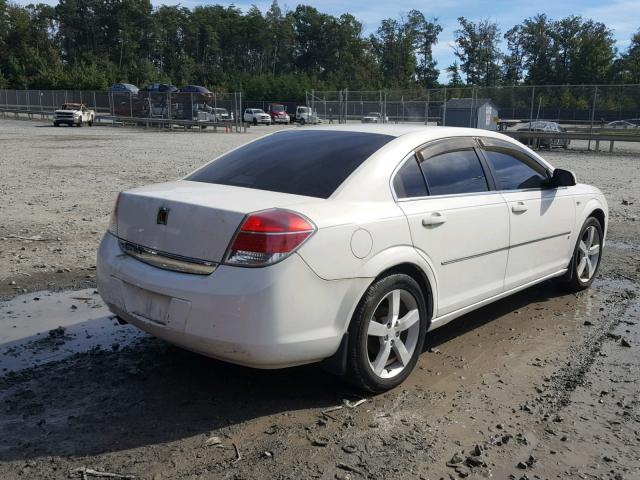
{"x": 456, "y": 221}
{"x": 541, "y": 218}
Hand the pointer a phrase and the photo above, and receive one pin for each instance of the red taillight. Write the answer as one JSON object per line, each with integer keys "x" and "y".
{"x": 268, "y": 237}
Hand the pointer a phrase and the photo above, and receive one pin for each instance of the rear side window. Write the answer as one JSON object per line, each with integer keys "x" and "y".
{"x": 454, "y": 171}
{"x": 311, "y": 163}
{"x": 409, "y": 181}
{"x": 514, "y": 169}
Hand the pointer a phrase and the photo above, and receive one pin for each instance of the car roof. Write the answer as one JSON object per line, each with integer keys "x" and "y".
{"x": 371, "y": 179}
{"x": 397, "y": 130}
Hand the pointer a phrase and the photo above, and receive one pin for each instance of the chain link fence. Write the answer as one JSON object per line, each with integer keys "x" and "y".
{"x": 592, "y": 109}
{"x": 222, "y": 108}
{"x": 592, "y": 106}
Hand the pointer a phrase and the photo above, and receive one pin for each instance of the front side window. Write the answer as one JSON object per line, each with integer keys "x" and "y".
{"x": 514, "y": 168}
{"x": 454, "y": 171}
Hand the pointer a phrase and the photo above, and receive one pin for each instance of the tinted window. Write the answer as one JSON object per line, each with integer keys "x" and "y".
{"x": 514, "y": 168}
{"x": 454, "y": 171}
{"x": 312, "y": 163}
{"x": 409, "y": 181}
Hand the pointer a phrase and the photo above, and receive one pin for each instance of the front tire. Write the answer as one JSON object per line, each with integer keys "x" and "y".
{"x": 386, "y": 334}
{"x": 79, "y": 124}
{"x": 91, "y": 122}
{"x": 586, "y": 258}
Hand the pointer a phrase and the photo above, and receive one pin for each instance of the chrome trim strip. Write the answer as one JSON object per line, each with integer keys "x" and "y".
{"x": 470, "y": 257}
{"x": 167, "y": 261}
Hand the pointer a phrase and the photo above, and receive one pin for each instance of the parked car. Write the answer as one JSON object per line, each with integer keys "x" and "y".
{"x": 349, "y": 253}
{"x": 621, "y": 124}
{"x": 154, "y": 100}
{"x": 124, "y": 88}
{"x": 374, "y": 117}
{"x": 278, "y": 113}
{"x": 305, "y": 115}
{"x": 222, "y": 115}
{"x": 160, "y": 88}
{"x": 546, "y": 127}
{"x": 256, "y": 116}
{"x": 208, "y": 113}
{"x": 196, "y": 89}
{"x": 73, "y": 114}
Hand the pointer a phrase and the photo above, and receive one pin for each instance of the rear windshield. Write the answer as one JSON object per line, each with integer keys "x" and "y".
{"x": 311, "y": 163}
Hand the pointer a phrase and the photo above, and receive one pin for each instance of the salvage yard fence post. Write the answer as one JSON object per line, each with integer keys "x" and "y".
{"x": 593, "y": 112}
{"x": 444, "y": 107}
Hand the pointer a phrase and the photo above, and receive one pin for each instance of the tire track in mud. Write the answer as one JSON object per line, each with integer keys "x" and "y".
{"x": 573, "y": 373}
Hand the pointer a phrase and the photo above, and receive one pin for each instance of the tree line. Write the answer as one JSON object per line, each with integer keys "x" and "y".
{"x": 90, "y": 44}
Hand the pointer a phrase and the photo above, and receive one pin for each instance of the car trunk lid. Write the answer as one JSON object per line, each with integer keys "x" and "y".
{"x": 191, "y": 219}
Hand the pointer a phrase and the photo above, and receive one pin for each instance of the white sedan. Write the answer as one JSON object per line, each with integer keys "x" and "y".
{"x": 350, "y": 253}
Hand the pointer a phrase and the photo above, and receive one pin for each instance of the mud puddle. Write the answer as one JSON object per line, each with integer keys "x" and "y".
{"x": 44, "y": 327}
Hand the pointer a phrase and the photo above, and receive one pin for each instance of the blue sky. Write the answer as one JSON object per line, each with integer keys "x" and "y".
{"x": 622, "y": 16}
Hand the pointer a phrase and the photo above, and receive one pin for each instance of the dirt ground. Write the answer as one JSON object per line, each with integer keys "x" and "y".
{"x": 541, "y": 385}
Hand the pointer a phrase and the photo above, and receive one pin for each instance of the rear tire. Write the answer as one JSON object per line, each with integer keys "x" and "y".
{"x": 79, "y": 124}
{"x": 386, "y": 334}
{"x": 56, "y": 124}
{"x": 91, "y": 122}
{"x": 586, "y": 258}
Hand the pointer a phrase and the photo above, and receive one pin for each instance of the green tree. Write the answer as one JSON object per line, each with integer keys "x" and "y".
{"x": 478, "y": 52}
{"x": 425, "y": 36}
{"x": 571, "y": 50}
{"x": 455, "y": 79}
{"x": 628, "y": 66}
{"x": 393, "y": 48}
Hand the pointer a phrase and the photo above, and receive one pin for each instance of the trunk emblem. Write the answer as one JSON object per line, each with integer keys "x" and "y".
{"x": 163, "y": 215}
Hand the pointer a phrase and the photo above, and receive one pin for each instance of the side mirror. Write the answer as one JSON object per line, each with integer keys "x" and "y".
{"x": 562, "y": 178}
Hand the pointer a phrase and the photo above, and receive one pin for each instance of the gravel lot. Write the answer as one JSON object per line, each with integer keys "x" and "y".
{"x": 539, "y": 385}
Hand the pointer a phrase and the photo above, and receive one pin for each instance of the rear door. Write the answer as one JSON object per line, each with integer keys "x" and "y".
{"x": 541, "y": 218}
{"x": 456, "y": 220}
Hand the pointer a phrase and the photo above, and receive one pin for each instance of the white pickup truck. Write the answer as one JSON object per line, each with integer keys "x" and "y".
{"x": 74, "y": 114}
{"x": 305, "y": 115}
{"x": 256, "y": 116}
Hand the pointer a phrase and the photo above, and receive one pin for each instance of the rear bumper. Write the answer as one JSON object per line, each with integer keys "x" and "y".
{"x": 273, "y": 317}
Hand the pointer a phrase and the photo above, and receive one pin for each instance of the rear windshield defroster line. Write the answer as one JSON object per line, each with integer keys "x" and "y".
{"x": 311, "y": 163}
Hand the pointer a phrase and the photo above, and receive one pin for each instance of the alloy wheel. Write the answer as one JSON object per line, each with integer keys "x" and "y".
{"x": 588, "y": 253}
{"x": 393, "y": 332}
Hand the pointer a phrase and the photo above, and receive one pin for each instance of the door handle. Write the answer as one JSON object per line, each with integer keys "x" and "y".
{"x": 519, "y": 207}
{"x": 436, "y": 218}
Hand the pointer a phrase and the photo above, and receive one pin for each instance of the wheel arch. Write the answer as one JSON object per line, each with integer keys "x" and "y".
{"x": 599, "y": 215}
{"x": 405, "y": 259}
{"x": 415, "y": 272}
{"x": 597, "y": 209}
{"x": 412, "y": 265}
